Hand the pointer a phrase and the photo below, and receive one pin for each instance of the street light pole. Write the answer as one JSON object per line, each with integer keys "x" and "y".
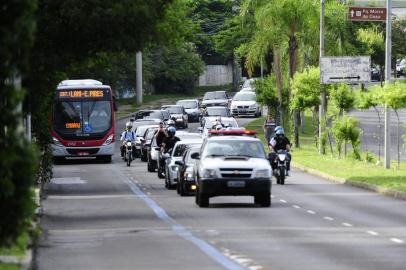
{"x": 388, "y": 55}
{"x": 139, "y": 77}
{"x": 322, "y": 92}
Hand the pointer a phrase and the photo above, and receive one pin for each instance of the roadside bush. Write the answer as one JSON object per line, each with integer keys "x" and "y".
{"x": 342, "y": 97}
{"x": 266, "y": 93}
{"x": 346, "y": 130}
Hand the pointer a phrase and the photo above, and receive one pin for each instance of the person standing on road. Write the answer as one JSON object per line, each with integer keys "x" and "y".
{"x": 269, "y": 126}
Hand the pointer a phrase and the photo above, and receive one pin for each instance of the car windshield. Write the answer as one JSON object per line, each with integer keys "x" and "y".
{"x": 141, "y": 130}
{"x": 188, "y": 104}
{"x": 215, "y": 95}
{"x": 150, "y": 134}
{"x": 226, "y": 122}
{"x": 245, "y": 148}
{"x": 210, "y": 111}
{"x": 244, "y": 97}
{"x": 173, "y": 109}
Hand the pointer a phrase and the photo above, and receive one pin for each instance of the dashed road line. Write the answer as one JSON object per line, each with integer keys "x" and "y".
{"x": 397, "y": 240}
{"x": 311, "y": 212}
{"x": 282, "y": 201}
{"x": 372, "y": 233}
{"x": 296, "y": 206}
{"x": 346, "y": 224}
{"x": 328, "y": 218}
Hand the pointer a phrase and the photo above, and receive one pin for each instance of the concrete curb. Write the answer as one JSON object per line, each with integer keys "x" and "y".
{"x": 385, "y": 191}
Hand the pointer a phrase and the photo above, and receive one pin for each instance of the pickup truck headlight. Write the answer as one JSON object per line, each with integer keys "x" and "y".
{"x": 262, "y": 174}
{"x": 209, "y": 173}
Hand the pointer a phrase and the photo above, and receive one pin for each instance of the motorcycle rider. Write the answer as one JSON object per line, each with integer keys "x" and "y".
{"x": 170, "y": 141}
{"x": 128, "y": 135}
{"x": 160, "y": 135}
{"x": 280, "y": 142}
{"x": 217, "y": 123}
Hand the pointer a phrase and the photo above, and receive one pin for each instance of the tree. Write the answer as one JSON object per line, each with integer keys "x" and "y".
{"x": 395, "y": 96}
{"x": 17, "y": 156}
{"x": 342, "y": 97}
{"x": 73, "y": 32}
{"x": 266, "y": 93}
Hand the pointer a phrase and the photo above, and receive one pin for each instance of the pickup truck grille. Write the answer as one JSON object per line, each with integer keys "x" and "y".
{"x": 235, "y": 173}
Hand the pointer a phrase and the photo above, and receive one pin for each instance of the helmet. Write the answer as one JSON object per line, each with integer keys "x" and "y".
{"x": 218, "y": 127}
{"x": 278, "y": 127}
{"x": 129, "y": 125}
{"x": 280, "y": 131}
{"x": 171, "y": 131}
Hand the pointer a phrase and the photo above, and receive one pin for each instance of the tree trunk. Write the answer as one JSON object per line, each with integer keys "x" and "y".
{"x": 292, "y": 69}
{"x": 302, "y": 121}
{"x": 278, "y": 75}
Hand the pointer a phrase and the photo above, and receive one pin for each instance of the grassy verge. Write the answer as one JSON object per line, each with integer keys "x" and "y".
{"x": 8, "y": 266}
{"x": 347, "y": 168}
{"x": 128, "y": 105}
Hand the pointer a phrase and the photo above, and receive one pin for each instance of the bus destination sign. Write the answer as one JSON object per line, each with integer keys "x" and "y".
{"x": 81, "y": 94}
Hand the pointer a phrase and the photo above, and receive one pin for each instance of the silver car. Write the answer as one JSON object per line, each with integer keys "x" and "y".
{"x": 192, "y": 109}
{"x": 171, "y": 169}
{"x": 245, "y": 103}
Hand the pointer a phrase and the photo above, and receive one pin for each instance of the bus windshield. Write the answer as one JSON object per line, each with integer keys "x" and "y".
{"x": 74, "y": 118}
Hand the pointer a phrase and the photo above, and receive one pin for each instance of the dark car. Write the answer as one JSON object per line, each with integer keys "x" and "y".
{"x": 178, "y": 114}
{"x": 162, "y": 115}
{"x": 215, "y": 98}
{"x": 375, "y": 73}
{"x": 192, "y": 108}
{"x": 186, "y": 177}
{"x": 152, "y": 155}
{"x": 140, "y": 133}
{"x": 146, "y": 142}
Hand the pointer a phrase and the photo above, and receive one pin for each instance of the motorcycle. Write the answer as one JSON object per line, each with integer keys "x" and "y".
{"x": 280, "y": 162}
{"x": 128, "y": 155}
{"x": 161, "y": 164}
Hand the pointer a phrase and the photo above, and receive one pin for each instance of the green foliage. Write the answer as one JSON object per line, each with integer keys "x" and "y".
{"x": 176, "y": 69}
{"x": 342, "y": 97}
{"x": 373, "y": 42}
{"x": 346, "y": 130}
{"x": 266, "y": 91}
{"x": 17, "y": 156}
{"x": 395, "y": 95}
{"x": 210, "y": 16}
{"x": 306, "y": 89}
{"x": 399, "y": 38}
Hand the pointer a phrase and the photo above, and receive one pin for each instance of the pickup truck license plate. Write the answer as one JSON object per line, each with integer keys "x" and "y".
{"x": 236, "y": 184}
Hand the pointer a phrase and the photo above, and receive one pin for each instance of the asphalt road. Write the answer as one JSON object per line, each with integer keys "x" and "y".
{"x": 372, "y": 133}
{"x": 110, "y": 216}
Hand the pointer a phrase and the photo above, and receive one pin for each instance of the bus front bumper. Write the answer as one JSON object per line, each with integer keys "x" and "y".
{"x": 62, "y": 151}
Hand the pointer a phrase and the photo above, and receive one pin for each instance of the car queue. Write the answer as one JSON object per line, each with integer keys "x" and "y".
{"x": 223, "y": 159}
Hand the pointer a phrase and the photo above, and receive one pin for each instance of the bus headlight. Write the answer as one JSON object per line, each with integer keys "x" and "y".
{"x": 56, "y": 142}
{"x": 109, "y": 140}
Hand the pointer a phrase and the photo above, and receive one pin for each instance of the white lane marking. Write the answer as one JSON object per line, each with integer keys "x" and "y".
{"x": 243, "y": 260}
{"x": 296, "y": 206}
{"x": 397, "y": 240}
{"x": 311, "y": 212}
{"x": 88, "y": 197}
{"x": 136, "y": 181}
{"x": 148, "y": 193}
{"x": 283, "y": 201}
{"x": 144, "y": 188}
{"x": 132, "y": 178}
{"x": 329, "y": 218}
{"x": 372, "y": 233}
{"x": 346, "y": 224}
{"x": 181, "y": 231}
{"x": 67, "y": 181}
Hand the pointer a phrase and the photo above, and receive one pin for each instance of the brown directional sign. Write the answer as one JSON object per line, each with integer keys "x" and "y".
{"x": 366, "y": 14}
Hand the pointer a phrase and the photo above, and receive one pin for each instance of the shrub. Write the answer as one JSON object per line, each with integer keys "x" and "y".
{"x": 346, "y": 130}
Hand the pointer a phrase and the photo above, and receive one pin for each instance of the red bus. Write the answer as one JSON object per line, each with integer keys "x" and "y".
{"x": 83, "y": 122}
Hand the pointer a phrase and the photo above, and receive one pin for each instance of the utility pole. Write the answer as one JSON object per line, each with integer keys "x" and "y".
{"x": 322, "y": 92}
{"x": 388, "y": 56}
{"x": 138, "y": 59}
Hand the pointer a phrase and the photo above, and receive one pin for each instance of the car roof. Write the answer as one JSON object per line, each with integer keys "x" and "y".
{"x": 217, "y": 107}
{"x": 187, "y": 100}
{"x": 172, "y": 105}
{"x": 191, "y": 141}
{"x": 233, "y": 138}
